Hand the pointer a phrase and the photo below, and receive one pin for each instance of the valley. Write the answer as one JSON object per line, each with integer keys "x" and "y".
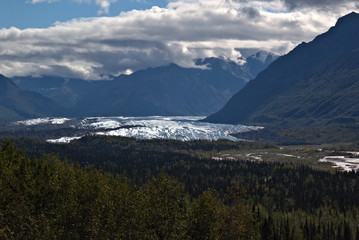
{"x": 322, "y": 157}
{"x": 63, "y": 131}
{"x": 189, "y": 128}
{"x": 233, "y": 147}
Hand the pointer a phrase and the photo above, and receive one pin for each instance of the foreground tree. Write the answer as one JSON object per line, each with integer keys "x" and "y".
{"x": 49, "y": 199}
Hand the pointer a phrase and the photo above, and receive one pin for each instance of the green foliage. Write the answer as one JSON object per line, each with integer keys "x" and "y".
{"x": 50, "y": 199}
{"x": 165, "y": 207}
{"x": 212, "y": 219}
{"x": 280, "y": 201}
{"x": 206, "y": 217}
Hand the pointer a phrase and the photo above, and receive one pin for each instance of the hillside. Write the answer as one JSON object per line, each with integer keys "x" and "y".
{"x": 64, "y": 91}
{"x": 317, "y": 83}
{"x": 18, "y": 104}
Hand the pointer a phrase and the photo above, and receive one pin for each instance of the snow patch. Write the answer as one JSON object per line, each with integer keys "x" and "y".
{"x": 347, "y": 164}
{"x": 63, "y": 139}
{"x": 354, "y": 153}
{"x": 259, "y": 157}
{"x": 287, "y": 155}
{"x": 37, "y": 121}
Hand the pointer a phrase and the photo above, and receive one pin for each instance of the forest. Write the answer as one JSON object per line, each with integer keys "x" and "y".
{"x": 122, "y": 188}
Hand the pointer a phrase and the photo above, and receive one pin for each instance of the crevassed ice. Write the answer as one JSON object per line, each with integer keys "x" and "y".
{"x": 167, "y": 127}
{"x": 180, "y": 128}
{"x": 37, "y": 121}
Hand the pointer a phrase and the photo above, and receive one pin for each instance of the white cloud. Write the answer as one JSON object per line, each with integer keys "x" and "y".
{"x": 104, "y": 6}
{"x": 94, "y": 48}
{"x": 41, "y": 1}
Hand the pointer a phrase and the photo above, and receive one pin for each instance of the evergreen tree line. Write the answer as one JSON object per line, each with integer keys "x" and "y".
{"x": 49, "y": 199}
{"x": 288, "y": 201}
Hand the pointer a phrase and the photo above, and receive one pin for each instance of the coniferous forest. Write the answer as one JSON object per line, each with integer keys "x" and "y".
{"x": 49, "y": 199}
{"x": 122, "y": 188}
{"x": 86, "y": 70}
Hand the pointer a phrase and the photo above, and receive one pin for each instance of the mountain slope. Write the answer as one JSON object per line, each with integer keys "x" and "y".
{"x": 66, "y": 92}
{"x": 18, "y": 104}
{"x": 259, "y": 61}
{"x": 316, "y": 83}
{"x": 168, "y": 90}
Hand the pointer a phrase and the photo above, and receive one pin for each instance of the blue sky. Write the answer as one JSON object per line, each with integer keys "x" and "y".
{"x": 25, "y": 14}
{"x": 95, "y": 39}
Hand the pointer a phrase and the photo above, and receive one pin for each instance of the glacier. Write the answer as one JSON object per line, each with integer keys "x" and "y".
{"x": 183, "y": 128}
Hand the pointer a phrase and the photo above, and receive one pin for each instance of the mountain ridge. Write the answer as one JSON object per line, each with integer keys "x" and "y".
{"x": 284, "y": 88}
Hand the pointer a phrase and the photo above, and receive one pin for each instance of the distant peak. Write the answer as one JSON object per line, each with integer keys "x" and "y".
{"x": 263, "y": 56}
{"x": 174, "y": 65}
{"x": 353, "y": 16}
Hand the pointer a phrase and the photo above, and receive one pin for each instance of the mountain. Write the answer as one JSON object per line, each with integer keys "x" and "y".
{"x": 16, "y": 104}
{"x": 259, "y": 61}
{"x": 66, "y": 92}
{"x": 317, "y": 83}
{"x": 253, "y": 65}
{"x": 168, "y": 90}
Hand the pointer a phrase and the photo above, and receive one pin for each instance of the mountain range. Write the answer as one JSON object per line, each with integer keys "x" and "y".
{"x": 317, "y": 83}
{"x": 165, "y": 90}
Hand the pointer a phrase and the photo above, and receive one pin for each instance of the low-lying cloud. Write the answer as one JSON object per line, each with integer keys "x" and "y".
{"x": 95, "y": 48}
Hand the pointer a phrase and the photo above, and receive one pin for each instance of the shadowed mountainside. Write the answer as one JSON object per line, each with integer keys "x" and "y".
{"x": 18, "y": 104}
{"x": 172, "y": 90}
{"x": 316, "y": 83}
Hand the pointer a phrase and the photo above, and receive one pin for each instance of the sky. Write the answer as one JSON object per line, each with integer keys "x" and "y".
{"x": 97, "y": 39}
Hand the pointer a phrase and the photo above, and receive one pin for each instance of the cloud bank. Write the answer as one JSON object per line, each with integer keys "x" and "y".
{"x": 96, "y": 48}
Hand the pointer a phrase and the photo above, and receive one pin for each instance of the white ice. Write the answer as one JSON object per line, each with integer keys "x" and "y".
{"x": 63, "y": 140}
{"x": 180, "y": 128}
{"x": 347, "y": 164}
{"x": 38, "y": 121}
{"x": 166, "y": 127}
{"x": 287, "y": 155}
